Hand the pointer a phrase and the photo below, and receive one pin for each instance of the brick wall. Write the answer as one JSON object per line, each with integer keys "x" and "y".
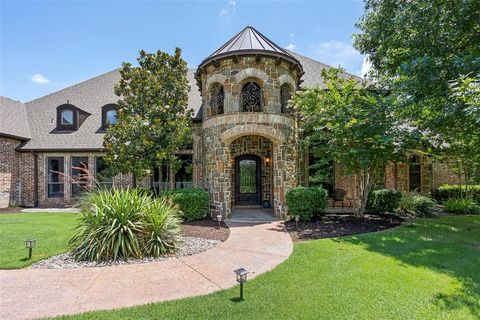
{"x": 9, "y": 173}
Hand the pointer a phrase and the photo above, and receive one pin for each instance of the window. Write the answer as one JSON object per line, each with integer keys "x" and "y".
{"x": 67, "y": 117}
{"x": 109, "y": 115}
{"x": 414, "y": 174}
{"x": 216, "y": 100}
{"x": 79, "y": 174}
{"x": 55, "y": 177}
{"x": 321, "y": 173}
{"x": 252, "y": 97}
{"x": 102, "y": 174}
{"x": 184, "y": 176}
{"x": 112, "y": 116}
{"x": 285, "y": 96}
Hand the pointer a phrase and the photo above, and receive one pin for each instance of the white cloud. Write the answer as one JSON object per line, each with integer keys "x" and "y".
{"x": 40, "y": 79}
{"x": 366, "y": 67}
{"x": 291, "y": 47}
{"x": 291, "y": 35}
{"x": 337, "y": 53}
{"x": 228, "y": 10}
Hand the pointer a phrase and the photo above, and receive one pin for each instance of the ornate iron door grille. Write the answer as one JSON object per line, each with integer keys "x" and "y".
{"x": 248, "y": 178}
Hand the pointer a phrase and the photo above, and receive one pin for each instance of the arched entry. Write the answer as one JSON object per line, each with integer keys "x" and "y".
{"x": 248, "y": 189}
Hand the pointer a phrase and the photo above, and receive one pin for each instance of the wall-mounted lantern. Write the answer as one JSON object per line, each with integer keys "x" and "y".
{"x": 268, "y": 161}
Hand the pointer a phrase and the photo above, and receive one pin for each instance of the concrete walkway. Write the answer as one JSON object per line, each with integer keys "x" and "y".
{"x": 30, "y": 293}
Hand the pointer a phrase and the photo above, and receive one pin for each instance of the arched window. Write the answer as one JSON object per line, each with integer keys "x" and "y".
{"x": 109, "y": 115}
{"x": 285, "y": 95}
{"x": 112, "y": 116}
{"x": 67, "y": 117}
{"x": 216, "y": 100}
{"x": 252, "y": 97}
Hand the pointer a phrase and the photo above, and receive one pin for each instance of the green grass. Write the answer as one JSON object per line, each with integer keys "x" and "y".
{"x": 52, "y": 231}
{"x": 429, "y": 269}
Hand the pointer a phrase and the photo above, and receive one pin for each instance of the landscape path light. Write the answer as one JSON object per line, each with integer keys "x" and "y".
{"x": 30, "y": 244}
{"x": 219, "y": 219}
{"x": 241, "y": 278}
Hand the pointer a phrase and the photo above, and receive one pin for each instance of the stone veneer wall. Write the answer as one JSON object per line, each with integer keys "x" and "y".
{"x": 261, "y": 147}
{"x": 220, "y": 132}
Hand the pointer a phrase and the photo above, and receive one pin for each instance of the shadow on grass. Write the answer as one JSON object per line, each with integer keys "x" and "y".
{"x": 444, "y": 245}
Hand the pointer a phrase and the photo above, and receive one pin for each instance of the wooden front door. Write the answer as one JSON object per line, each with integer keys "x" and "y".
{"x": 248, "y": 189}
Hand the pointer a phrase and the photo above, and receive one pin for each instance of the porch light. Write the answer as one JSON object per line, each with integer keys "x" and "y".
{"x": 219, "y": 219}
{"x": 30, "y": 244}
{"x": 268, "y": 161}
{"x": 241, "y": 278}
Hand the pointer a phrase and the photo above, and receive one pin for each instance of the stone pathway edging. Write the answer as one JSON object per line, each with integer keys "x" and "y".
{"x": 30, "y": 293}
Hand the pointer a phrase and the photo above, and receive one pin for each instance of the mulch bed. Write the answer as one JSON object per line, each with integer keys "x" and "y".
{"x": 337, "y": 225}
{"x": 206, "y": 229}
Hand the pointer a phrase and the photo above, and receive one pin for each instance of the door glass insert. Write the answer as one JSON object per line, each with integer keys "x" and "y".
{"x": 248, "y": 174}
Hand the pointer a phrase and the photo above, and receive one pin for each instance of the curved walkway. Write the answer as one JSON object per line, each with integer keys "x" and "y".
{"x": 30, "y": 293}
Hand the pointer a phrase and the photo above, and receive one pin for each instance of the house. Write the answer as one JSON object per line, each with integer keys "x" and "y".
{"x": 245, "y": 139}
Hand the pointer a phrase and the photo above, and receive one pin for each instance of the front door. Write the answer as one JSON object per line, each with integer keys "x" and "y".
{"x": 247, "y": 180}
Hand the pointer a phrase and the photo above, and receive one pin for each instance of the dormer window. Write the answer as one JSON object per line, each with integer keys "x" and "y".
{"x": 67, "y": 117}
{"x": 112, "y": 116}
{"x": 109, "y": 115}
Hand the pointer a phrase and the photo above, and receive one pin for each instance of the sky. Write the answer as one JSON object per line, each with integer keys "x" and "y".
{"x": 46, "y": 46}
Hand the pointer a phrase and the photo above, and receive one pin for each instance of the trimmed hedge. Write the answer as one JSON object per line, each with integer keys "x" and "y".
{"x": 461, "y": 206}
{"x": 306, "y": 202}
{"x": 456, "y": 191}
{"x": 383, "y": 200}
{"x": 192, "y": 202}
{"x": 417, "y": 205}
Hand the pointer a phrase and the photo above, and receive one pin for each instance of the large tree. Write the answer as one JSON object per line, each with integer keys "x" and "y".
{"x": 352, "y": 123}
{"x": 427, "y": 52}
{"x": 153, "y": 121}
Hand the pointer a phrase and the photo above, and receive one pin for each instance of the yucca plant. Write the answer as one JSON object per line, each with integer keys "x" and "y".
{"x": 117, "y": 224}
{"x": 163, "y": 232}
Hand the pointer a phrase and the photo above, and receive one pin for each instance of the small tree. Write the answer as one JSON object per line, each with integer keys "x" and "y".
{"x": 153, "y": 121}
{"x": 352, "y": 123}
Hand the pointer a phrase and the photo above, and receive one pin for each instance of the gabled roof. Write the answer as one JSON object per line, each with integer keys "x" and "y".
{"x": 313, "y": 71}
{"x": 89, "y": 96}
{"x": 13, "y": 119}
{"x": 249, "y": 41}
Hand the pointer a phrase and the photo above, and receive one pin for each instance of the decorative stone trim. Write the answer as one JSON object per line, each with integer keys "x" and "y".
{"x": 286, "y": 78}
{"x": 248, "y": 117}
{"x": 217, "y": 77}
{"x": 275, "y": 135}
{"x": 251, "y": 73}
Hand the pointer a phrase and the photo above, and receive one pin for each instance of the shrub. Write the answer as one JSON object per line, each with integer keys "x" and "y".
{"x": 416, "y": 204}
{"x": 193, "y": 203}
{"x": 306, "y": 202}
{"x": 456, "y": 191}
{"x": 125, "y": 223}
{"x": 383, "y": 200}
{"x": 461, "y": 206}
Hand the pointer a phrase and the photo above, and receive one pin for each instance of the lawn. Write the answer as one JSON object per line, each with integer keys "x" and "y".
{"x": 429, "y": 269}
{"x": 52, "y": 231}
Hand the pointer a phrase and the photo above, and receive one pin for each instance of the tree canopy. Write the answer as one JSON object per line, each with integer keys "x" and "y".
{"x": 427, "y": 54}
{"x": 352, "y": 123}
{"x": 153, "y": 121}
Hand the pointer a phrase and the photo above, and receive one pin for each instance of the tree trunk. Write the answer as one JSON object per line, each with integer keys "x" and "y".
{"x": 362, "y": 189}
